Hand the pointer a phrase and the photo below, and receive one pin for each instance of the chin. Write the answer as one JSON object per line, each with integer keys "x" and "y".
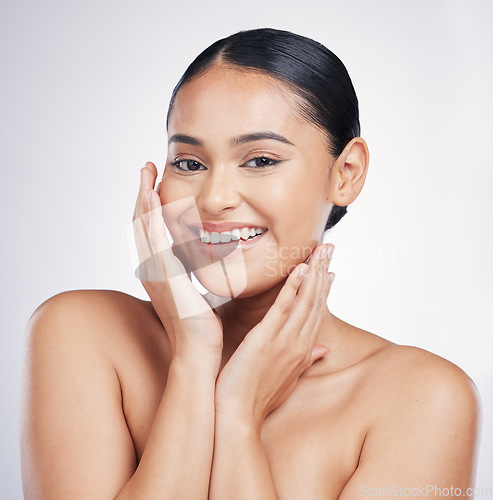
{"x": 230, "y": 280}
{"x": 223, "y": 278}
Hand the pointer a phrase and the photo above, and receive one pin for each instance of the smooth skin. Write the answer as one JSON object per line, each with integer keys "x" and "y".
{"x": 270, "y": 396}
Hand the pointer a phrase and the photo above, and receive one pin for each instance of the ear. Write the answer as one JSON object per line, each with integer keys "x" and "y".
{"x": 348, "y": 172}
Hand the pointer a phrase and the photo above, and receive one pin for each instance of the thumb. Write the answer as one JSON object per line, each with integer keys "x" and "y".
{"x": 318, "y": 351}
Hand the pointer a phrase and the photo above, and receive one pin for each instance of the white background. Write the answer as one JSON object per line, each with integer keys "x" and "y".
{"x": 83, "y": 96}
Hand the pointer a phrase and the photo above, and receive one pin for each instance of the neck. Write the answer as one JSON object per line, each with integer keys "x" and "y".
{"x": 240, "y": 315}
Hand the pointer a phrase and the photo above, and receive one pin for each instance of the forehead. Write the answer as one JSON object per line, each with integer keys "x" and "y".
{"x": 234, "y": 101}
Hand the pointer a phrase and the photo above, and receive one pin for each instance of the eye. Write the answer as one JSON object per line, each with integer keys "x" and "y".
{"x": 187, "y": 165}
{"x": 261, "y": 162}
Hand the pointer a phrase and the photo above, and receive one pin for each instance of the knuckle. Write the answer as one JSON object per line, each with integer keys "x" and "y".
{"x": 293, "y": 285}
{"x": 297, "y": 353}
{"x": 285, "y": 308}
{"x": 307, "y": 357}
{"x": 302, "y": 357}
{"x": 284, "y": 349}
{"x": 311, "y": 303}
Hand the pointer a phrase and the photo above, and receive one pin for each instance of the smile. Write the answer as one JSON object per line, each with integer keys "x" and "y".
{"x": 244, "y": 233}
{"x": 218, "y": 245}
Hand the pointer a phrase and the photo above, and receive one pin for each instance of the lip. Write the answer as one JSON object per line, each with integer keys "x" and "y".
{"x": 218, "y": 251}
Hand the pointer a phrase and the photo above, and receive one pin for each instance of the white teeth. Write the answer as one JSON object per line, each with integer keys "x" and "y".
{"x": 204, "y": 236}
{"x": 226, "y": 236}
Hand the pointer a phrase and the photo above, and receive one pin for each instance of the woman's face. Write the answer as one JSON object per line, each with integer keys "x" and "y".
{"x": 241, "y": 156}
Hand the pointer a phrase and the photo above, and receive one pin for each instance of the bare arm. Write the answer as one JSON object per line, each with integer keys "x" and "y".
{"x": 177, "y": 459}
{"x": 240, "y": 469}
{"x": 74, "y": 439}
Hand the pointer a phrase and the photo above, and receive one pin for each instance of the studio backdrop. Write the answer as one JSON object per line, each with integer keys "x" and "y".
{"x": 84, "y": 93}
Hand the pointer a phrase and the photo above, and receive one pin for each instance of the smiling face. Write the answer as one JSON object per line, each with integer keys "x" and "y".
{"x": 240, "y": 155}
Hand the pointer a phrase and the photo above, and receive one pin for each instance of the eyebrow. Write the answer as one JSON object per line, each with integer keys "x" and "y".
{"x": 236, "y": 141}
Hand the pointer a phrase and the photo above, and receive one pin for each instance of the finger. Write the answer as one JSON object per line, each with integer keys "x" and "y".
{"x": 148, "y": 175}
{"x": 318, "y": 351}
{"x": 279, "y": 311}
{"x": 157, "y": 229}
{"x": 328, "y": 259}
{"x": 317, "y": 312}
{"x": 312, "y": 330}
{"x": 323, "y": 284}
{"x": 151, "y": 241}
{"x": 137, "y": 234}
{"x": 168, "y": 268}
{"x": 312, "y": 326}
{"x": 306, "y": 300}
{"x": 161, "y": 250}
{"x": 139, "y": 245}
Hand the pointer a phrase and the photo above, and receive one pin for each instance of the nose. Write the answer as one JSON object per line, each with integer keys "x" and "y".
{"x": 219, "y": 191}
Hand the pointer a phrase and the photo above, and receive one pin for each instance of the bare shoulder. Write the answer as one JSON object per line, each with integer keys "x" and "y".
{"x": 85, "y": 327}
{"x": 401, "y": 371}
{"x": 105, "y": 305}
{"x": 100, "y": 316}
{"x": 422, "y": 418}
{"x": 405, "y": 387}
{"x": 415, "y": 372}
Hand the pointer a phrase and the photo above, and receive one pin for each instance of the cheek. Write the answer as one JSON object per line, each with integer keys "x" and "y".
{"x": 297, "y": 223}
{"x": 170, "y": 190}
{"x": 298, "y": 215}
{"x": 177, "y": 199}
{"x": 177, "y": 205}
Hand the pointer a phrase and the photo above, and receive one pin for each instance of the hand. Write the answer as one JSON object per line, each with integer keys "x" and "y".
{"x": 191, "y": 325}
{"x": 264, "y": 369}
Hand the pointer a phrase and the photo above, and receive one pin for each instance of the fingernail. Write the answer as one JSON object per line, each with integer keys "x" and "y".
{"x": 324, "y": 251}
{"x": 332, "y": 277}
{"x": 330, "y": 251}
{"x": 302, "y": 271}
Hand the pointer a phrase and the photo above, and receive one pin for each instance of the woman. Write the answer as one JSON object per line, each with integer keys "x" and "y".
{"x": 256, "y": 390}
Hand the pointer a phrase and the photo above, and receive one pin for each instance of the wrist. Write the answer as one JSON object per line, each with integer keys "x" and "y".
{"x": 195, "y": 365}
{"x": 243, "y": 423}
